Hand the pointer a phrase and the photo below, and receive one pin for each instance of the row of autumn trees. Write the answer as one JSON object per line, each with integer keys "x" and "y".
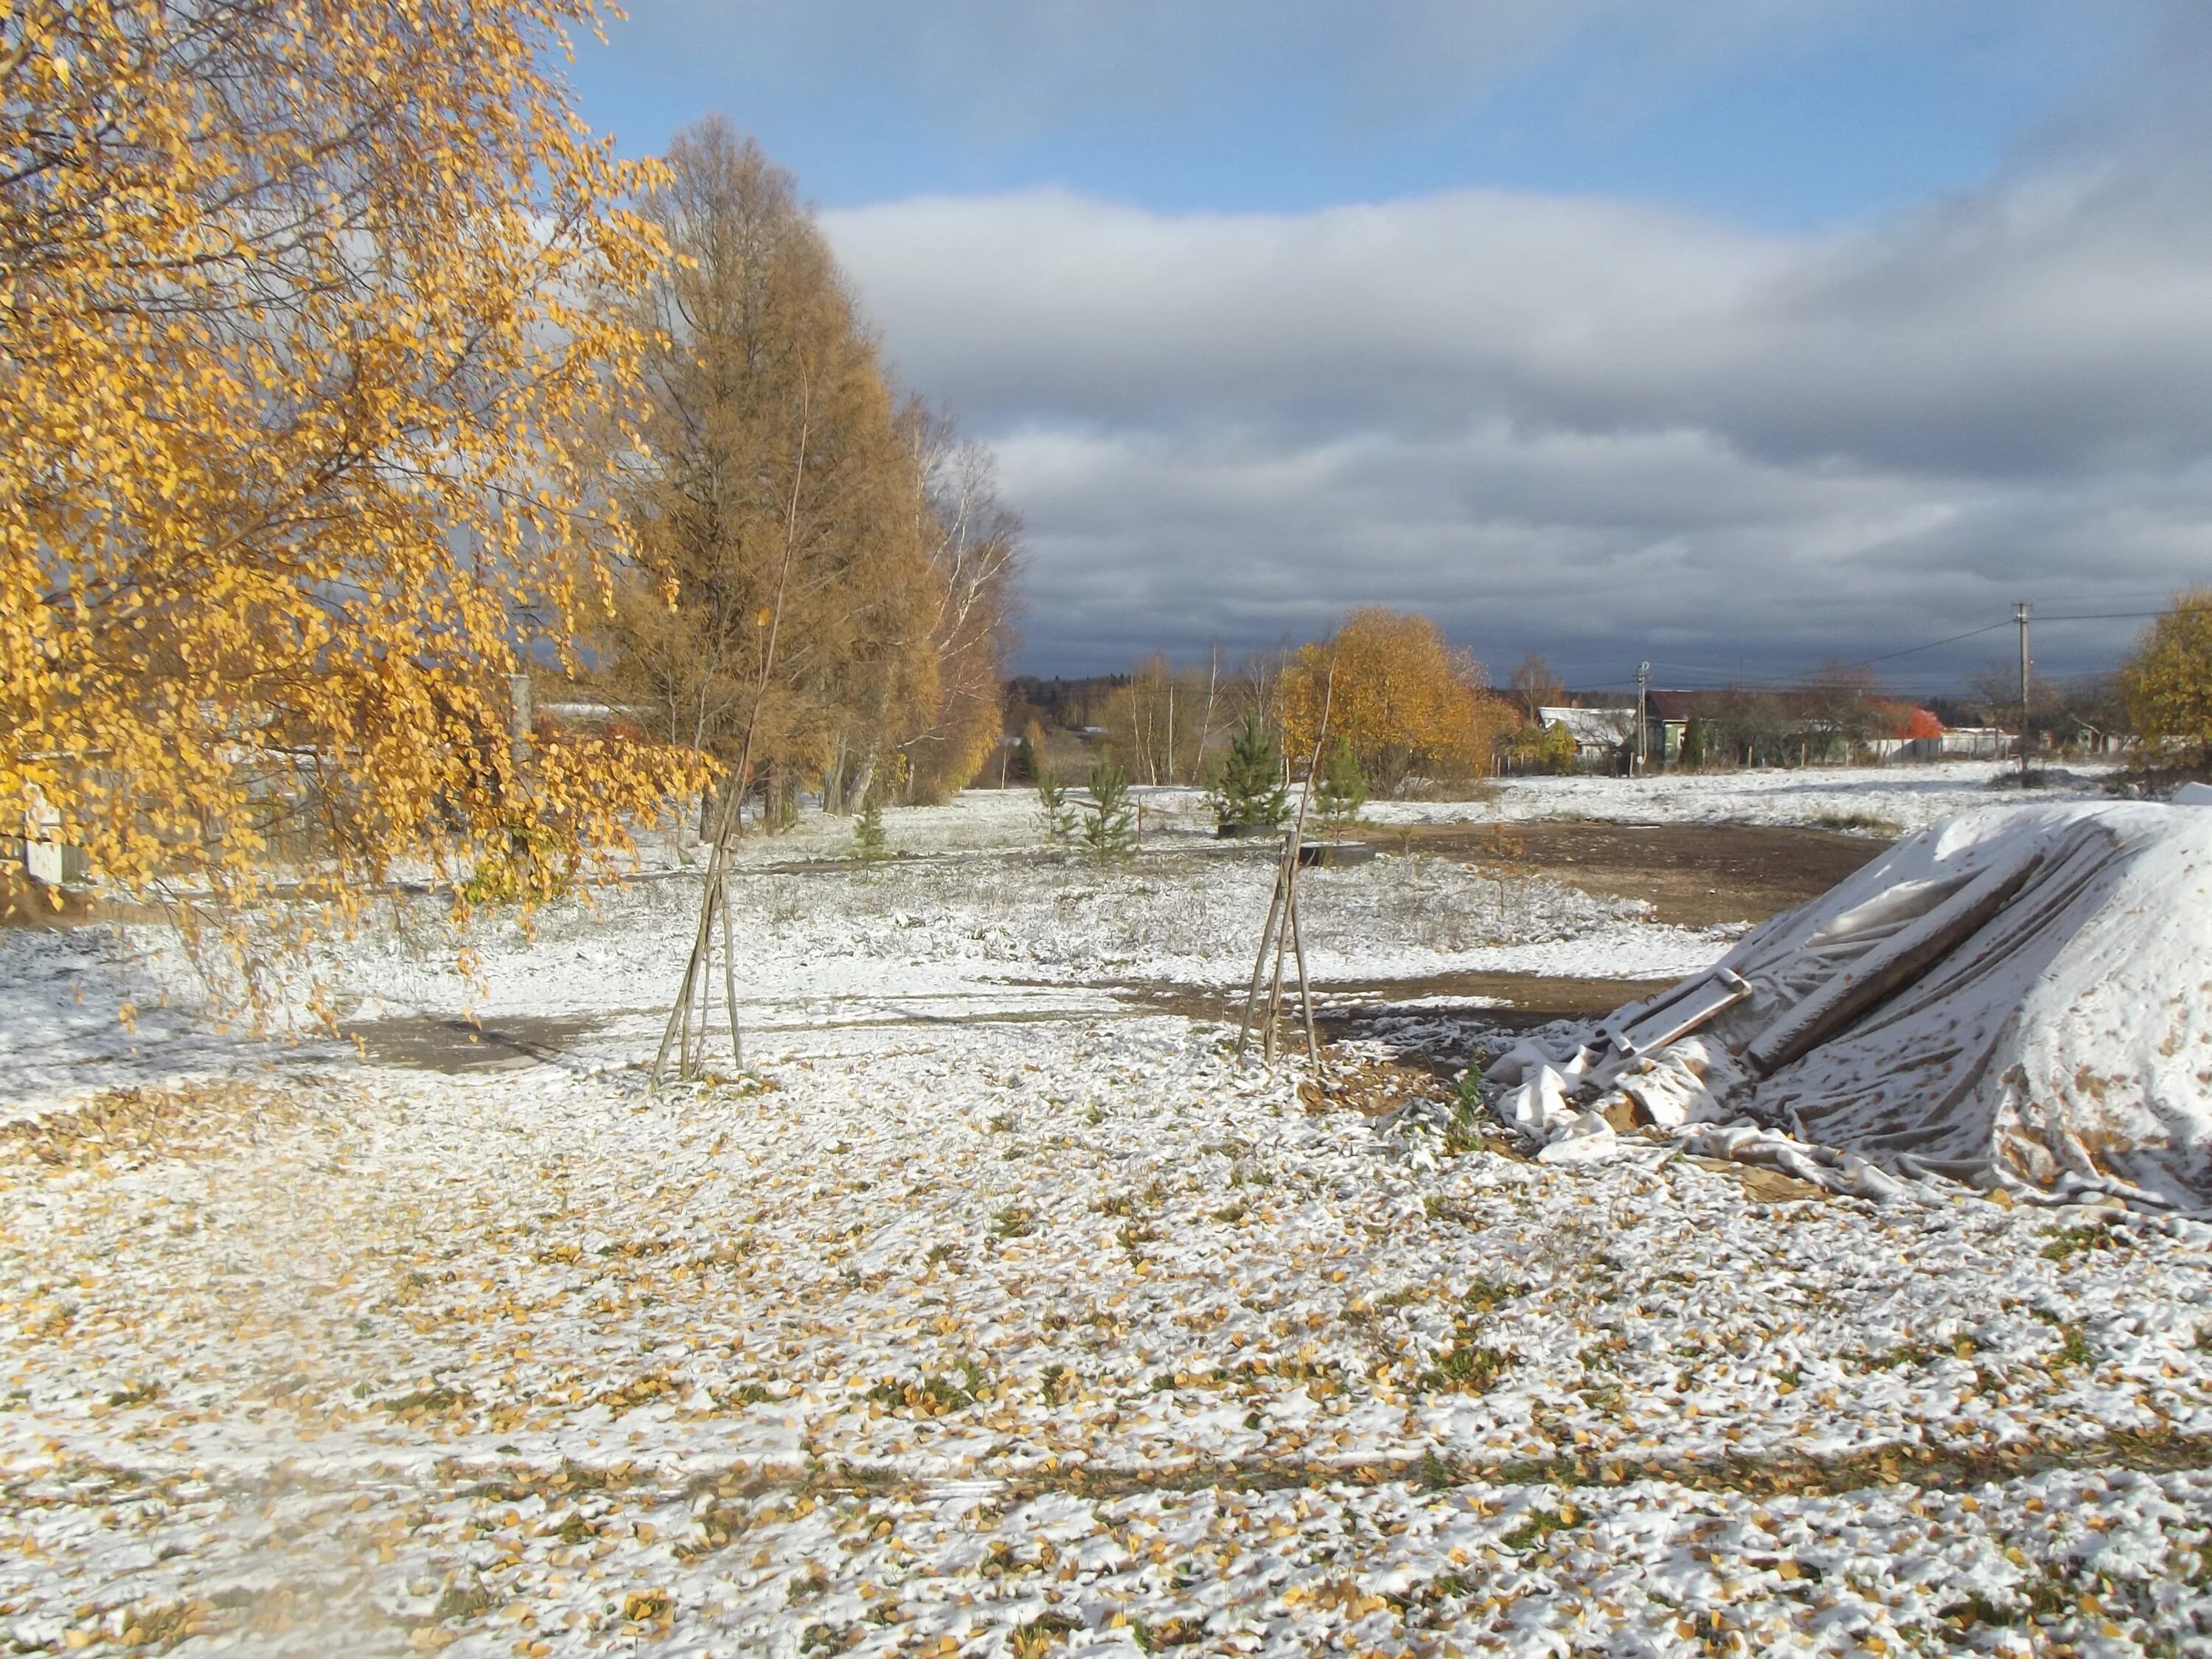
{"x": 345, "y": 374}
{"x": 1401, "y": 703}
{"x": 1405, "y": 706}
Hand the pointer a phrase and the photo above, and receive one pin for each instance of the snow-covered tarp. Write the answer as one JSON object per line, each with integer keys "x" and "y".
{"x": 2016, "y": 997}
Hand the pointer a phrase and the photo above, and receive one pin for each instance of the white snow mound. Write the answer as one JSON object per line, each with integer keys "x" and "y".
{"x": 2017, "y": 997}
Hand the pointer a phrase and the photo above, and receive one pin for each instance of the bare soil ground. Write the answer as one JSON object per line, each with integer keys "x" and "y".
{"x": 1694, "y": 875}
{"x": 1345, "y": 1005}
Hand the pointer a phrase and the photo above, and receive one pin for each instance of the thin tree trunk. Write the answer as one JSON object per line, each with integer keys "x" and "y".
{"x": 739, "y": 782}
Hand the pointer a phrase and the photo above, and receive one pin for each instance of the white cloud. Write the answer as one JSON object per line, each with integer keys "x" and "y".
{"x": 1574, "y": 424}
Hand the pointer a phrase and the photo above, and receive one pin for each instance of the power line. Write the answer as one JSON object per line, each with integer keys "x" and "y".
{"x": 2102, "y": 616}
{"x": 1931, "y": 645}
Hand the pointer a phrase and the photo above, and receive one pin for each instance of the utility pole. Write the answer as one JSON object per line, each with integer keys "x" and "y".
{"x": 2019, "y": 614}
{"x": 1643, "y": 721}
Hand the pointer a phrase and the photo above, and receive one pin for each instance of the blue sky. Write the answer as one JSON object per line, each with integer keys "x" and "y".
{"x": 1722, "y": 331}
{"x": 1797, "y": 116}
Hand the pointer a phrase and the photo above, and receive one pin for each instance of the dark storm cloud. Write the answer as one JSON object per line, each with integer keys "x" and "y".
{"x": 1555, "y": 422}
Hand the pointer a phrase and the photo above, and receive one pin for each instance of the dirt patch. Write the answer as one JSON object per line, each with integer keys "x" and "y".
{"x": 1693, "y": 875}
{"x": 1347, "y": 1005}
{"x": 454, "y": 1046}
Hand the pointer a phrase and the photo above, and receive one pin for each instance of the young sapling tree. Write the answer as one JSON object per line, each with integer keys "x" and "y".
{"x": 869, "y": 841}
{"x": 1247, "y": 796}
{"x": 1054, "y": 812}
{"x": 1110, "y": 830}
{"x": 1341, "y": 790}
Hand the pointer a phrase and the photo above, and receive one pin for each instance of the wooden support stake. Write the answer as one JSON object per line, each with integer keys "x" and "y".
{"x": 1281, "y": 924}
{"x": 697, "y": 970}
{"x": 729, "y": 981}
{"x": 1305, "y": 986}
{"x": 1260, "y": 963}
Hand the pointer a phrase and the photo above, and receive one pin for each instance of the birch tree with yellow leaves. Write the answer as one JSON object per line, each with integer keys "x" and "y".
{"x": 309, "y": 317}
{"x": 1405, "y": 702}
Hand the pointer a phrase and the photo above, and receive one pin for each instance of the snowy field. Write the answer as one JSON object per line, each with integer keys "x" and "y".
{"x": 991, "y": 1312}
{"x": 1889, "y": 800}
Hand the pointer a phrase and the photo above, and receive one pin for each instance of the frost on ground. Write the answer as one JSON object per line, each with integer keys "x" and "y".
{"x": 1024, "y": 1333}
{"x": 987, "y": 1315}
{"x": 1889, "y": 801}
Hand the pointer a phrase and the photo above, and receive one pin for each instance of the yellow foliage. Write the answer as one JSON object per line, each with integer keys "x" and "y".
{"x": 2168, "y": 682}
{"x": 306, "y": 312}
{"x": 1406, "y": 702}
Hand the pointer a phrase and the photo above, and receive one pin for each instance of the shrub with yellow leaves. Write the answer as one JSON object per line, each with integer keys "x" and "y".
{"x": 2166, "y": 683}
{"x": 1405, "y": 703}
{"x": 306, "y": 319}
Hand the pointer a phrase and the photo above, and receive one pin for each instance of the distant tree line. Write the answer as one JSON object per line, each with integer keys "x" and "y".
{"x": 1410, "y": 712}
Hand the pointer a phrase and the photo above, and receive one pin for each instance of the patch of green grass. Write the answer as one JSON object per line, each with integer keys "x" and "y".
{"x": 2067, "y": 1242}
{"x": 1482, "y": 1295}
{"x": 1903, "y": 1355}
{"x": 1015, "y": 1221}
{"x": 1133, "y": 1235}
{"x": 930, "y": 1396}
{"x": 1032, "y": 1639}
{"x": 1540, "y": 1524}
{"x": 1468, "y": 1368}
{"x": 1432, "y": 1473}
{"x": 430, "y": 1399}
{"x": 1230, "y": 1214}
{"x": 458, "y": 1600}
{"x": 1168, "y": 1633}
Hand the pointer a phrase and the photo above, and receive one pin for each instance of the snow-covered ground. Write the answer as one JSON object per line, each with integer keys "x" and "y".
{"x": 1889, "y": 801}
{"x": 988, "y": 1313}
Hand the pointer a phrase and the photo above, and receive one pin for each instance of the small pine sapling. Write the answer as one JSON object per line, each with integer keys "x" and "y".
{"x": 1054, "y": 812}
{"x": 1111, "y": 830}
{"x": 1341, "y": 790}
{"x": 868, "y": 837}
{"x": 1247, "y": 794}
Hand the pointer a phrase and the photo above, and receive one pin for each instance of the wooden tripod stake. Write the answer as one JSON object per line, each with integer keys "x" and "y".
{"x": 713, "y": 900}
{"x": 1281, "y": 931}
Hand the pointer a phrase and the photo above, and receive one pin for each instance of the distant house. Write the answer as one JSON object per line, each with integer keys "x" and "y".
{"x": 1810, "y": 727}
{"x": 1602, "y": 736}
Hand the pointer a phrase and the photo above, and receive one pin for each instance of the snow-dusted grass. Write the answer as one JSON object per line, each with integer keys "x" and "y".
{"x": 890, "y": 1351}
{"x": 971, "y": 933}
{"x": 1889, "y": 800}
{"x": 989, "y": 1315}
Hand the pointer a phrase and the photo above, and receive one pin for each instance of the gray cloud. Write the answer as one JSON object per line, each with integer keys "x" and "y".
{"x": 1578, "y": 424}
